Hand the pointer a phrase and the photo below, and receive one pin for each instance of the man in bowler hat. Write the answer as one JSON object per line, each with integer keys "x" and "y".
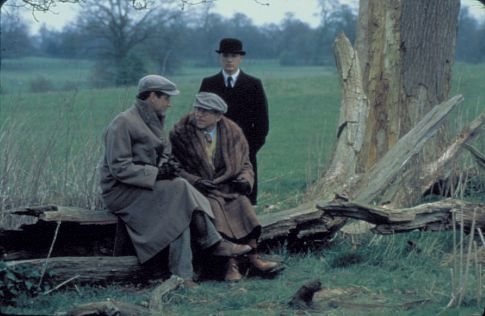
{"x": 245, "y": 97}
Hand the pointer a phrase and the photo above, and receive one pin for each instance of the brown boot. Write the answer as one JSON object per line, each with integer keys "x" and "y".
{"x": 226, "y": 248}
{"x": 260, "y": 264}
{"x": 232, "y": 272}
{"x": 256, "y": 261}
{"x": 190, "y": 284}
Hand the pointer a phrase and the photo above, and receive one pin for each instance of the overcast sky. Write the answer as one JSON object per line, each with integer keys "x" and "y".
{"x": 260, "y": 14}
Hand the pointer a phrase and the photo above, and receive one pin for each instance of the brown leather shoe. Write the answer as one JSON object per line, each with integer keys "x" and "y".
{"x": 190, "y": 284}
{"x": 226, "y": 248}
{"x": 262, "y": 265}
{"x": 232, "y": 272}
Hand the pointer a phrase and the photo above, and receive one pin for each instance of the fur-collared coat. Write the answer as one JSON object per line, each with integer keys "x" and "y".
{"x": 235, "y": 217}
{"x": 247, "y": 107}
{"x": 155, "y": 212}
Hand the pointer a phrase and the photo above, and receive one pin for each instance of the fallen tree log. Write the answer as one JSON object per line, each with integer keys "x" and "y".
{"x": 304, "y": 224}
{"x": 85, "y": 232}
{"x": 28, "y": 232}
{"x": 435, "y": 216}
{"x": 87, "y": 269}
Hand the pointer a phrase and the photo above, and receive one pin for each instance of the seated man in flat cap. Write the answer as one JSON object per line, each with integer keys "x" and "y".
{"x": 214, "y": 157}
{"x": 139, "y": 184}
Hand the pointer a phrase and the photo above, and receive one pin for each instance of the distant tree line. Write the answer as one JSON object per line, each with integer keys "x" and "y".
{"x": 124, "y": 41}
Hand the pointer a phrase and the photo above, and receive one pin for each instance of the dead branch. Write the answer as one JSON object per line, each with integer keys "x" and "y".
{"x": 430, "y": 216}
{"x": 479, "y": 157}
{"x": 160, "y": 291}
{"x": 382, "y": 181}
{"x": 108, "y": 308}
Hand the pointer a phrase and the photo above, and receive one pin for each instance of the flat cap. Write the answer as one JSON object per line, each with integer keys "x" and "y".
{"x": 157, "y": 83}
{"x": 210, "y": 101}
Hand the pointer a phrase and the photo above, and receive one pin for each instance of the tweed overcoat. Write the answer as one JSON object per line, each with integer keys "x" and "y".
{"x": 248, "y": 107}
{"x": 155, "y": 212}
{"x": 235, "y": 217}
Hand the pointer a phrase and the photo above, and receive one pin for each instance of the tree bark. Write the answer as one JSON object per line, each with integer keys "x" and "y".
{"x": 436, "y": 216}
{"x": 406, "y": 52}
{"x": 87, "y": 269}
{"x": 342, "y": 171}
{"x": 87, "y": 232}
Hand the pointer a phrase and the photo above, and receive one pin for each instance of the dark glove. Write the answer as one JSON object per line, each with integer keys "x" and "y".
{"x": 204, "y": 186}
{"x": 174, "y": 165}
{"x": 165, "y": 172}
{"x": 241, "y": 186}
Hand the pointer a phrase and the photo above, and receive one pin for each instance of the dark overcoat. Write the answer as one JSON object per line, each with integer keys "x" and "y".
{"x": 155, "y": 212}
{"x": 248, "y": 107}
{"x": 235, "y": 217}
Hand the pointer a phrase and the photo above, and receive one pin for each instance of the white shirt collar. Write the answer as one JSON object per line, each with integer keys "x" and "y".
{"x": 234, "y": 76}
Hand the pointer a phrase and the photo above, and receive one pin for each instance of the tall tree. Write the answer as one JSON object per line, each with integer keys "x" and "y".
{"x": 15, "y": 34}
{"x": 117, "y": 27}
{"x": 400, "y": 70}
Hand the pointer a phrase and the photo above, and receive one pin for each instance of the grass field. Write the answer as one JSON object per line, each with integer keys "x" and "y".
{"x": 51, "y": 144}
{"x": 59, "y": 132}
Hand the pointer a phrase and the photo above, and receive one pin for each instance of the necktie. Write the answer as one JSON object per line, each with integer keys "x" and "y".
{"x": 208, "y": 137}
{"x": 229, "y": 82}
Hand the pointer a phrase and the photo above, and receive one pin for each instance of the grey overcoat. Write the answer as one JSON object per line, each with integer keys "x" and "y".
{"x": 155, "y": 212}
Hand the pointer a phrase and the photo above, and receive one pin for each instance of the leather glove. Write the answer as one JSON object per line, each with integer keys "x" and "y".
{"x": 204, "y": 185}
{"x": 174, "y": 165}
{"x": 165, "y": 172}
{"x": 241, "y": 186}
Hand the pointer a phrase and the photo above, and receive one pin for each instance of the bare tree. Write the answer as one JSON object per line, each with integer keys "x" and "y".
{"x": 116, "y": 28}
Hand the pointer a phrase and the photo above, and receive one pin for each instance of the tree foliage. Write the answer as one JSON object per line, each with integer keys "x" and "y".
{"x": 120, "y": 34}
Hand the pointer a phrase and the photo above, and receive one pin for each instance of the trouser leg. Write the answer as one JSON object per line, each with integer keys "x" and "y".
{"x": 203, "y": 230}
{"x": 180, "y": 256}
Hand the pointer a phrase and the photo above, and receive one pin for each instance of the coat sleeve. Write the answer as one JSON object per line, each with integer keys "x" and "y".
{"x": 119, "y": 157}
{"x": 247, "y": 172}
{"x": 203, "y": 85}
{"x": 261, "y": 120}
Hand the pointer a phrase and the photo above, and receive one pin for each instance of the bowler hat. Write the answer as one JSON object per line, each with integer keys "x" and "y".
{"x": 231, "y": 46}
{"x": 210, "y": 101}
{"x": 157, "y": 83}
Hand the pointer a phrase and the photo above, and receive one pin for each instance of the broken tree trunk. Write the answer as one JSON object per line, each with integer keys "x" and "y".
{"x": 436, "y": 216}
{"x": 387, "y": 181}
{"x": 381, "y": 183}
{"x": 87, "y": 269}
{"x": 91, "y": 233}
{"x": 306, "y": 224}
{"x": 342, "y": 171}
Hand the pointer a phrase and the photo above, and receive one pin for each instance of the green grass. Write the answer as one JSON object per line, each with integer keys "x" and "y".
{"x": 63, "y": 127}
{"x": 385, "y": 275}
{"x": 51, "y": 143}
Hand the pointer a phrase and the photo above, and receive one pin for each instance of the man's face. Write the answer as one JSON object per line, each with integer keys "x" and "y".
{"x": 230, "y": 62}
{"x": 206, "y": 119}
{"x": 159, "y": 104}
